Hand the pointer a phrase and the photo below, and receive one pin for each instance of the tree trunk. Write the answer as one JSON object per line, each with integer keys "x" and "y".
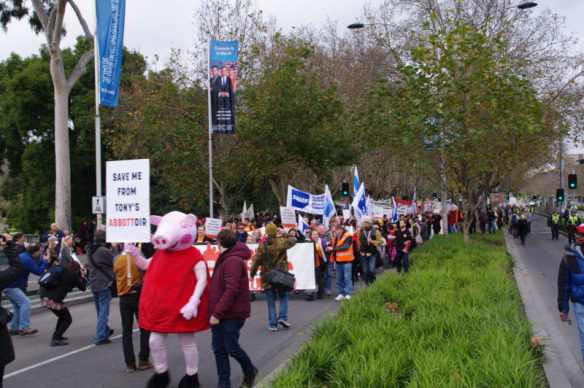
{"x": 62, "y": 159}
{"x": 280, "y": 190}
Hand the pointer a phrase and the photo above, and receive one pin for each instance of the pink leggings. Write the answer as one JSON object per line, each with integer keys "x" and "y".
{"x": 189, "y": 347}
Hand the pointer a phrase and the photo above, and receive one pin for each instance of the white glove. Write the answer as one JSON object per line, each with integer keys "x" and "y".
{"x": 190, "y": 309}
{"x": 131, "y": 249}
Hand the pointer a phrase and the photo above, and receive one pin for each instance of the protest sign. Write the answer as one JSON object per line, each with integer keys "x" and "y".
{"x": 300, "y": 263}
{"x": 212, "y": 227}
{"x": 128, "y": 200}
{"x": 288, "y": 216}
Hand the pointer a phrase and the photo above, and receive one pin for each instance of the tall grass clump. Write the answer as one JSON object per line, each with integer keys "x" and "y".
{"x": 455, "y": 320}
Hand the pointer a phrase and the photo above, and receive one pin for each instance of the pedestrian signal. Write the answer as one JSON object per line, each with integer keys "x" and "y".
{"x": 560, "y": 195}
{"x": 434, "y": 196}
{"x": 345, "y": 189}
{"x": 507, "y": 196}
{"x": 572, "y": 181}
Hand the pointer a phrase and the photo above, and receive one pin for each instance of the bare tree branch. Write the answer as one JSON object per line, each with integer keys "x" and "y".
{"x": 82, "y": 21}
{"x": 51, "y": 24}
{"x": 80, "y": 68}
{"x": 41, "y": 13}
{"x": 58, "y": 31}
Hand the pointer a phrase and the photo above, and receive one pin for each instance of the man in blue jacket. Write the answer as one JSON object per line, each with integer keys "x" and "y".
{"x": 571, "y": 283}
{"x": 32, "y": 262}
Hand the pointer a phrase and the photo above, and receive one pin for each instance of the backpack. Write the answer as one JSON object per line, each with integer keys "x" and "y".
{"x": 514, "y": 219}
{"x": 51, "y": 277}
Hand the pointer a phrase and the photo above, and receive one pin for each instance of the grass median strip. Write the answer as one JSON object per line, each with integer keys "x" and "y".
{"x": 456, "y": 320}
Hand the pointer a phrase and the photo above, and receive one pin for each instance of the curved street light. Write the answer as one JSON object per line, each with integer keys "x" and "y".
{"x": 527, "y": 5}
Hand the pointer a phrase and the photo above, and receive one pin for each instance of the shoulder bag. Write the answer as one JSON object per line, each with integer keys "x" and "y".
{"x": 277, "y": 277}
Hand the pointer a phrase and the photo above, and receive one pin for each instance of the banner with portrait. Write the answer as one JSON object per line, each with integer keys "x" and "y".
{"x": 223, "y": 70}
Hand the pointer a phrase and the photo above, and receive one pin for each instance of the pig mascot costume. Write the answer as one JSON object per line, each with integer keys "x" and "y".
{"x": 174, "y": 295}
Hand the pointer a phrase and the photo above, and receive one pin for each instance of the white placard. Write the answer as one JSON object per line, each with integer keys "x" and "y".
{"x": 346, "y": 214}
{"x": 212, "y": 227}
{"x": 128, "y": 200}
{"x": 404, "y": 209}
{"x": 288, "y": 216}
{"x": 300, "y": 263}
{"x": 98, "y": 205}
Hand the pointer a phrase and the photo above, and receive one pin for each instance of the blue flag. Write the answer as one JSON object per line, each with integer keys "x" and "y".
{"x": 360, "y": 204}
{"x": 394, "y": 211}
{"x": 355, "y": 182}
{"x": 329, "y": 207}
{"x": 110, "y": 44}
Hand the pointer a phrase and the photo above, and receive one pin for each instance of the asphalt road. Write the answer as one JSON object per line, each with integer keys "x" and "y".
{"x": 538, "y": 262}
{"x": 83, "y": 364}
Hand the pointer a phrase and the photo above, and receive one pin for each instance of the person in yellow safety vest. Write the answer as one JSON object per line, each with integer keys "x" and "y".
{"x": 341, "y": 248}
{"x": 573, "y": 220}
{"x": 554, "y": 224}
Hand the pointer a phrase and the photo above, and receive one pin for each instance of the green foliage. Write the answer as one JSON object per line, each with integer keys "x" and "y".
{"x": 461, "y": 114}
{"x": 454, "y": 320}
{"x": 163, "y": 118}
{"x": 27, "y": 135}
{"x": 286, "y": 119}
{"x": 294, "y": 112}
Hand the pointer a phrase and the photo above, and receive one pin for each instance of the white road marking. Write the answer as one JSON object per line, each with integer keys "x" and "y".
{"x": 57, "y": 358}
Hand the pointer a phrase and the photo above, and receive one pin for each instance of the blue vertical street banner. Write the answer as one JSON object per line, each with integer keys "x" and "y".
{"x": 223, "y": 70}
{"x": 110, "y": 42}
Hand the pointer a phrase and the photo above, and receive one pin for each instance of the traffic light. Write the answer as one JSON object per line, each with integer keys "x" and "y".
{"x": 572, "y": 181}
{"x": 434, "y": 196}
{"x": 345, "y": 189}
{"x": 560, "y": 195}
{"x": 507, "y": 196}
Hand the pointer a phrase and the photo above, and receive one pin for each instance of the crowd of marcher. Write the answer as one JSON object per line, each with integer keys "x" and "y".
{"x": 346, "y": 251}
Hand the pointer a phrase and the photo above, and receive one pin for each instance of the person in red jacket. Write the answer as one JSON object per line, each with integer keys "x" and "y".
{"x": 229, "y": 306}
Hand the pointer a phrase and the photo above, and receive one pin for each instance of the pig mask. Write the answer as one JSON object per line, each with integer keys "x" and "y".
{"x": 175, "y": 231}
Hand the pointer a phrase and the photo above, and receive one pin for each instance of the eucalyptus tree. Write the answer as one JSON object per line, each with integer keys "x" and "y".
{"x": 47, "y": 17}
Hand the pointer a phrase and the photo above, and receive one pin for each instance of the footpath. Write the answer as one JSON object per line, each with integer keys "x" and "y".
{"x": 561, "y": 367}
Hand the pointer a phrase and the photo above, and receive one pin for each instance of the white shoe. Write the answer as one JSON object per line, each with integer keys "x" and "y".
{"x": 348, "y": 297}
{"x": 340, "y": 297}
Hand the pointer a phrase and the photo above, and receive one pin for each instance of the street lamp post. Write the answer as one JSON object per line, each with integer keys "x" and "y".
{"x": 526, "y": 5}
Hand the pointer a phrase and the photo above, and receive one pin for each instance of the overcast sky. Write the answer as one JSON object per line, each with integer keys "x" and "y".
{"x": 154, "y": 26}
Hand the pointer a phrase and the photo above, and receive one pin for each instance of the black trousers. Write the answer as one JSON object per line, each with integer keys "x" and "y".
{"x": 129, "y": 310}
{"x": 555, "y": 231}
{"x": 571, "y": 235}
{"x": 319, "y": 277}
{"x": 63, "y": 322}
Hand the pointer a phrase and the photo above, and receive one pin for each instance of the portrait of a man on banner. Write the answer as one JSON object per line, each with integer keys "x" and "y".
{"x": 223, "y": 69}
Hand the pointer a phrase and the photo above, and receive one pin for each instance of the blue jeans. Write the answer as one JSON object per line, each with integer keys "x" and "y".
{"x": 579, "y": 315}
{"x": 452, "y": 229}
{"x": 491, "y": 226}
{"x": 402, "y": 258}
{"x": 271, "y": 300}
{"x": 328, "y": 276}
{"x": 345, "y": 278}
{"x": 102, "y": 307}
{"x": 21, "y": 311}
{"x": 225, "y": 343}
{"x": 368, "y": 267}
